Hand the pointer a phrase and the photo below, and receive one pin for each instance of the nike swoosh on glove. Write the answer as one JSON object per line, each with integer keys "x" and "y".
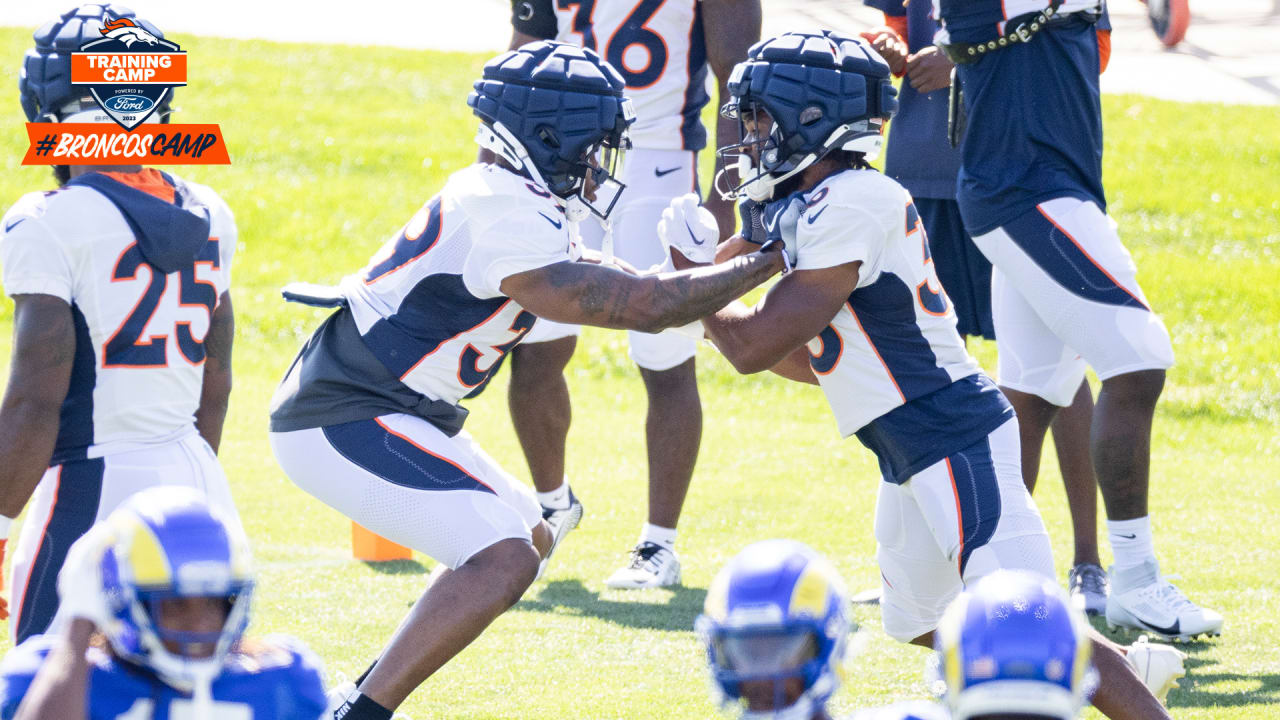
{"x": 689, "y": 228}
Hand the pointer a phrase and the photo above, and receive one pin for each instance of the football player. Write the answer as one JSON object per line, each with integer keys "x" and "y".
{"x": 157, "y": 600}
{"x": 663, "y": 51}
{"x": 1065, "y": 293}
{"x": 121, "y": 361}
{"x": 368, "y": 417}
{"x": 920, "y": 157}
{"x": 862, "y": 315}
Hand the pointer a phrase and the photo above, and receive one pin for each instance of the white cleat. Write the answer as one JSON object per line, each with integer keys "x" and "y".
{"x": 651, "y": 565}
{"x": 1159, "y": 666}
{"x": 1143, "y": 600}
{"x": 560, "y": 522}
{"x": 1089, "y": 588}
{"x": 338, "y": 697}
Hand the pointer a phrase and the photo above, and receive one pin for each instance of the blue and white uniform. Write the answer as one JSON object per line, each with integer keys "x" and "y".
{"x": 367, "y": 418}
{"x": 952, "y": 506}
{"x": 1064, "y": 290}
{"x": 143, "y": 259}
{"x": 280, "y": 680}
{"x": 660, "y": 50}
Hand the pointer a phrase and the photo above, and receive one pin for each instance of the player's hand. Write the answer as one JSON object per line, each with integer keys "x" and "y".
{"x": 80, "y": 592}
{"x": 781, "y": 218}
{"x": 689, "y": 229}
{"x": 733, "y": 247}
{"x": 751, "y": 214}
{"x": 4, "y": 604}
{"x": 929, "y": 70}
{"x": 890, "y": 46}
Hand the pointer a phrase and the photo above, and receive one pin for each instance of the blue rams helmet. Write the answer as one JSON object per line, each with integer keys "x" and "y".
{"x": 1013, "y": 643}
{"x": 775, "y": 627}
{"x": 44, "y": 82}
{"x": 166, "y": 542}
{"x": 822, "y": 91}
{"x": 548, "y": 109}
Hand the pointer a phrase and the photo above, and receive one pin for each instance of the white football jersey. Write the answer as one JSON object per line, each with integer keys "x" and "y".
{"x": 895, "y": 338}
{"x": 659, "y": 48}
{"x": 429, "y": 304}
{"x": 139, "y": 364}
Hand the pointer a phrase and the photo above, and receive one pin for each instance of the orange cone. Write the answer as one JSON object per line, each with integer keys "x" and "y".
{"x": 371, "y": 547}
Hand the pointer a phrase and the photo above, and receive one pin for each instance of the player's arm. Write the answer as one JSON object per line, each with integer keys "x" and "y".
{"x": 793, "y": 312}
{"x": 730, "y": 27}
{"x": 216, "y": 387}
{"x": 61, "y": 688}
{"x": 603, "y": 296}
{"x": 44, "y": 348}
{"x": 531, "y": 20}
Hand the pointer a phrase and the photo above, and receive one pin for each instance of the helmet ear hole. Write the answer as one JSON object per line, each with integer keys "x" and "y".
{"x": 548, "y": 137}
{"x": 810, "y": 115}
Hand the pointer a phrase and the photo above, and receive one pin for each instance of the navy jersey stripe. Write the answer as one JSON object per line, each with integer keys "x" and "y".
{"x": 75, "y": 421}
{"x": 693, "y": 136}
{"x": 397, "y": 459}
{"x": 1059, "y": 255}
{"x": 436, "y": 310}
{"x": 885, "y": 310}
{"x": 973, "y": 478}
{"x": 75, "y": 507}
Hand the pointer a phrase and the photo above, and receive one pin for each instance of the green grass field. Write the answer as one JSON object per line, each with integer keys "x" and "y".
{"x": 333, "y": 148}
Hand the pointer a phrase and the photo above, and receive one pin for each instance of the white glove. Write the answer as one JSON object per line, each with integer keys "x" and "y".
{"x": 690, "y": 228}
{"x": 80, "y": 591}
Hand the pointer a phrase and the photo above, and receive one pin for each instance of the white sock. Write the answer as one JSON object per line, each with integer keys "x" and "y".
{"x": 666, "y": 537}
{"x": 557, "y": 499}
{"x": 1131, "y": 542}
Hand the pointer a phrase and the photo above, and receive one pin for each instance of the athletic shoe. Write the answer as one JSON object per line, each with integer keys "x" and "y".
{"x": 1141, "y": 599}
{"x": 1170, "y": 19}
{"x": 560, "y": 522}
{"x": 651, "y": 565}
{"x": 337, "y": 698}
{"x": 1088, "y": 585}
{"x": 1159, "y": 666}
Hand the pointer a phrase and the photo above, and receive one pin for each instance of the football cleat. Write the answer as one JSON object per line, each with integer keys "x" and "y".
{"x": 651, "y": 565}
{"x": 339, "y": 697}
{"x": 1089, "y": 586}
{"x": 1159, "y": 666}
{"x": 1156, "y": 606}
{"x": 560, "y": 522}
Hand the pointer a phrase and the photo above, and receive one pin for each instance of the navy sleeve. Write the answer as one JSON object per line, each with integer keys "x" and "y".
{"x": 893, "y": 8}
{"x": 534, "y": 17}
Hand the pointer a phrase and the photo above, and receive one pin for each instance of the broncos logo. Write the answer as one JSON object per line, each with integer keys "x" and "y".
{"x": 128, "y": 32}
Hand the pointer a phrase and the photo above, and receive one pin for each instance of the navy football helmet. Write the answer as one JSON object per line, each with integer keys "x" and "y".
{"x": 557, "y": 114}
{"x": 822, "y": 91}
{"x": 1013, "y": 643}
{"x": 166, "y": 542}
{"x": 44, "y": 82}
{"x": 775, "y": 627}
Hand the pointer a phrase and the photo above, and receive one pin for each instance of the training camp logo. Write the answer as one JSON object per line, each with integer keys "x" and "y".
{"x": 129, "y": 70}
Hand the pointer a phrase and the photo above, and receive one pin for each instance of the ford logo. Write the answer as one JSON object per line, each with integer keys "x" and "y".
{"x": 128, "y": 103}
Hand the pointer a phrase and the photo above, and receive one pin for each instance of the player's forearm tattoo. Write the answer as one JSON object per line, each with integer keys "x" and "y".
{"x": 683, "y": 298}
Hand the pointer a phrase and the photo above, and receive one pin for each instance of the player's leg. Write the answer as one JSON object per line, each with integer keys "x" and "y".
{"x": 405, "y": 480}
{"x": 1068, "y": 262}
{"x": 538, "y": 398}
{"x": 63, "y": 507}
{"x": 1087, "y": 580}
{"x": 673, "y": 424}
{"x": 982, "y": 519}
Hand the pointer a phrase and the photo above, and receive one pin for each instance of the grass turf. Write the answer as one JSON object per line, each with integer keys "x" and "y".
{"x": 334, "y": 147}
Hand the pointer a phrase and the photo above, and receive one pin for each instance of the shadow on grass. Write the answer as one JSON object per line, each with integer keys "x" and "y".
{"x": 1197, "y": 689}
{"x": 397, "y": 567}
{"x": 631, "y": 608}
